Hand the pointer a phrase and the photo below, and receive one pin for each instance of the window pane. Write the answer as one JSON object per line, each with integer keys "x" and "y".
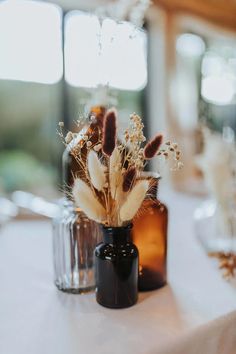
{"x": 30, "y": 41}
{"x": 113, "y": 54}
{"x": 30, "y": 106}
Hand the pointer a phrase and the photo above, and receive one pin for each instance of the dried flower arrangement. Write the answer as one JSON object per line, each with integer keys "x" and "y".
{"x": 218, "y": 165}
{"x": 110, "y": 190}
{"x": 227, "y": 263}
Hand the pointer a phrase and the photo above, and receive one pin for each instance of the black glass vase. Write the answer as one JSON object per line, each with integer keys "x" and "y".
{"x": 116, "y": 268}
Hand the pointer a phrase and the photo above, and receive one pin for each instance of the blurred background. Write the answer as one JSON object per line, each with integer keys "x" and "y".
{"x": 178, "y": 71}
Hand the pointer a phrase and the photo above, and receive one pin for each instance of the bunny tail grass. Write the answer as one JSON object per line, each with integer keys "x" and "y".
{"x": 152, "y": 147}
{"x": 129, "y": 178}
{"x": 134, "y": 200}
{"x": 85, "y": 200}
{"x": 115, "y": 172}
{"x": 96, "y": 171}
{"x": 109, "y": 132}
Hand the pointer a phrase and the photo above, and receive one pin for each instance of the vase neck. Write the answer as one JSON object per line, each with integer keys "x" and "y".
{"x": 153, "y": 179}
{"x": 154, "y": 187}
{"x": 117, "y": 235}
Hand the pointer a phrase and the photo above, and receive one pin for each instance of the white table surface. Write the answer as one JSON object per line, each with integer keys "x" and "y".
{"x": 37, "y": 318}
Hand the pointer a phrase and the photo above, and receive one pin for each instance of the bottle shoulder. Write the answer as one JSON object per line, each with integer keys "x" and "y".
{"x": 154, "y": 204}
{"x": 114, "y": 251}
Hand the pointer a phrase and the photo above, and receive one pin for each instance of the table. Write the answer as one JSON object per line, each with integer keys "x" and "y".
{"x": 36, "y": 318}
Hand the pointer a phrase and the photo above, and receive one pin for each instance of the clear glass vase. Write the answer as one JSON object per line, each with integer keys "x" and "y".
{"x": 215, "y": 227}
{"x": 74, "y": 240}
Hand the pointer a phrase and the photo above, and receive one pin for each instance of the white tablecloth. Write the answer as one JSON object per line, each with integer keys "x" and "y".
{"x": 36, "y": 318}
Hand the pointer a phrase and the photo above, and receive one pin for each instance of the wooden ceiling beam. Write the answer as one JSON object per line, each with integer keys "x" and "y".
{"x": 219, "y": 12}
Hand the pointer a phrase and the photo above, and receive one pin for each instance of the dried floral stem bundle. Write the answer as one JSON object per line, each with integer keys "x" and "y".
{"x": 110, "y": 190}
{"x": 227, "y": 263}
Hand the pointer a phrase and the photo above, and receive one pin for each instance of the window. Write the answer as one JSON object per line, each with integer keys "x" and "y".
{"x": 104, "y": 53}
{"x": 111, "y": 53}
{"x": 30, "y": 41}
{"x": 30, "y": 69}
{"x": 35, "y": 93}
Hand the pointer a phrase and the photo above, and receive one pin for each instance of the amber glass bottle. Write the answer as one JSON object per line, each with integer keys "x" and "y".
{"x": 150, "y": 236}
{"x": 69, "y": 165}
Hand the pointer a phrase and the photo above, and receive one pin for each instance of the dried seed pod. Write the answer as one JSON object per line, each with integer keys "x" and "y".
{"x": 129, "y": 178}
{"x": 109, "y": 132}
{"x": 152, "y": 147}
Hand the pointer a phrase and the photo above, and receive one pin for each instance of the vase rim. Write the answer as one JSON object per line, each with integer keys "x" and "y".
{"x": 125, "y": 227}
{"x": 150, "y": 174}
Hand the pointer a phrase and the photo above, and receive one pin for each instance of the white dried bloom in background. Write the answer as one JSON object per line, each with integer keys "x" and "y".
{"x": 125, "y": 10}
{"x": 218, "y": 164}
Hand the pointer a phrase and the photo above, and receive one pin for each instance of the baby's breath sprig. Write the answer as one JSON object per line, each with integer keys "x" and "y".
{"x": 134, "y": 138}
{"x": 79, "y": 144}
{"x": 171, "y": 150}
{"x": 227, "y": 263}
